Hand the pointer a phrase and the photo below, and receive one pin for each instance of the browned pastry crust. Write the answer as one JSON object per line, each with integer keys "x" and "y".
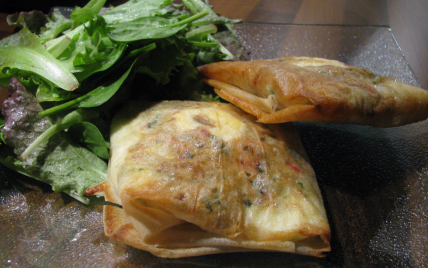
{"x": 316, "y": 90}
{"x": 203, "y": 178}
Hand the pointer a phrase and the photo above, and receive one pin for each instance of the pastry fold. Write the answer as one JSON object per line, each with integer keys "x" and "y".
{"x": 316, "y": 90}
{"x": 195, "y": 178}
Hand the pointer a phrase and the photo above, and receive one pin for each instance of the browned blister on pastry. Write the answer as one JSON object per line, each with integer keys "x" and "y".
{"x": 316, "y": 90}
{"x": 202, "y": 178}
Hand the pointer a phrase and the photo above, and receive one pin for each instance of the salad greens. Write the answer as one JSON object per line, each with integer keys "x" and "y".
{"x": 24, "y": 52}
{"x": 67, "y": 76}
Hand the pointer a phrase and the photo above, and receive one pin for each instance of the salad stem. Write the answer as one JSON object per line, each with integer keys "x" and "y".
{"x": 76, "y": 116}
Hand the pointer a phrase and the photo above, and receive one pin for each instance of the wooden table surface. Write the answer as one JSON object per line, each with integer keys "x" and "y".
{"x": 407, "y": 19}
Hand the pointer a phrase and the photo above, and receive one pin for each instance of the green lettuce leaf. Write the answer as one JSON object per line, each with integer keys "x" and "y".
{"x": 91, "y": 50}
{"x": 88, "y": 134}
{"x": 23, "y": 51}
{"x": 79, "y": 167}
{"x": 57, "y": 160}
{"x": 134, "y": 9}
{"x": 145, "y": 49}
{"x": 149, "y": 28}
{"x": 55, "y": 26}
{"x": 33, "y": 20}
{"x": 81, "y": 15}
{"x": 94, "y": 98}
{"x": 63, "y": 123}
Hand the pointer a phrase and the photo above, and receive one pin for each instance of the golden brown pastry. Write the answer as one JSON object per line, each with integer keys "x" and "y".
{"x": 197, "y": 178}
{"x": 316, "y": 90}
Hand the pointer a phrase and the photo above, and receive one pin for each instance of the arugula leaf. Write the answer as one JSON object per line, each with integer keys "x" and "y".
{"x": 197, "y": 6}
{"x": 200, "y": 33}
{"x": 88, "y": 134}
{"x": 24, "y": 51}
{"x": 161, "y": 63}
{"x": 134, "y": 9}
{"x": 149, "y": 28}
{"x": 93, "y": 98}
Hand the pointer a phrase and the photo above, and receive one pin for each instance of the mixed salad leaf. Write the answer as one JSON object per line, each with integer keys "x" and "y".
{"x": 66, "y": 77}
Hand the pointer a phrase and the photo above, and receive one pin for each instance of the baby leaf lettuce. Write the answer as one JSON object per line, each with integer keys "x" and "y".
{"x": 81, "y": 15}
{"x": 134, "y": 9}
{"x": 76, "y": 116}
{"x": 94, "y": 98}
{"x": 149, "y": 28}
{"x": 57, "y": 24}
{"x": 23, "y": 51}
{"x": 33, "y": 20}
{"x": 91, "y": 50}
{"x": 55, "y": 137}
{"x": 57, "y": 160}
{"x": 22, "y": 124}
{"x": 88, "y": 134}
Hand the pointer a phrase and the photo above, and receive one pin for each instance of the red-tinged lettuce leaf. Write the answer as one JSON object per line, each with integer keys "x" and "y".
{"x": 58, "y": 161}
{"x": 22, "y": 124}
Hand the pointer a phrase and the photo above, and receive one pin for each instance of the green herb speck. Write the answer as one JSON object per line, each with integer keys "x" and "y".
{"x": 208, "y": 206}
{"x": 292, "y": 152}
{"x": 149, "y": 125}
{"x": 248, "y": 149}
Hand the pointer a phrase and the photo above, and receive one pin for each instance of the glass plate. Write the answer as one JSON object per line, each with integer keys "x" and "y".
{"x": 373, "y": 180}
